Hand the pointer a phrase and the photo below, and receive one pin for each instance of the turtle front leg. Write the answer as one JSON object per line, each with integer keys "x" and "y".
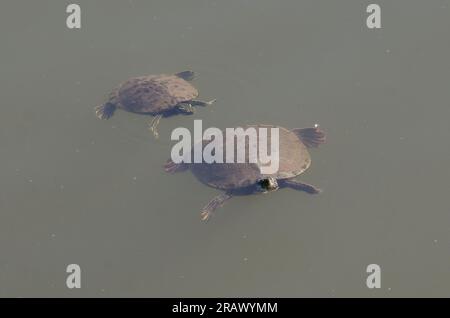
{"x": 300, "y": 186}
{"x": 203, "y": 103}
{"x": 153, "y": 124}
{"x": 215, "y": 203}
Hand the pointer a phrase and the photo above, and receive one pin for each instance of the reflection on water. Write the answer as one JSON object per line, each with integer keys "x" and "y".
{"x": 75, "y": 189}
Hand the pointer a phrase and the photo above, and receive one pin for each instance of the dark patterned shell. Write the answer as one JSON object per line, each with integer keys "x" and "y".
{"x": 154, "y": 93}
{"x": 294, "y": 159}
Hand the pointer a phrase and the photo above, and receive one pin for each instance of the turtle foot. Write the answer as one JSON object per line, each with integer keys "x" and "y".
{"x": 172, "y": 167}
{"x": 105, "y": 111}
{"x": 300, "y": 186}
{"x": 215, "y": 203}
{"x": 186, "y": 75}
{"x": 311, "y": 137}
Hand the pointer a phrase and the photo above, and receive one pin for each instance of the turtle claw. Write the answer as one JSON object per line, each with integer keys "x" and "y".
{"x": 215, "y": 203}
{"x": 153, "y": 125}
{"x": 155, "y": 133}
{"x": 212, "y": 101}
{"x": 105, "y": 111}
{"x": 205, "y": 215}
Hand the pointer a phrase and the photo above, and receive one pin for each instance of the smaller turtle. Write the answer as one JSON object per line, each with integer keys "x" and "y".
{"x": 246, "y": 178}
{"x": 158, "y": 95}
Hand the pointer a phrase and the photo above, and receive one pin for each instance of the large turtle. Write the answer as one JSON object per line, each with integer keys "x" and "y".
{"x": 246, "y": 178}
{"x": 158, "y": 95}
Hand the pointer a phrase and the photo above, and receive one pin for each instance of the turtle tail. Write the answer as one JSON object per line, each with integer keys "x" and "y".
{"x": 311, "y": 137}
{"x": 172, "y": 167}
{"x": 105, "y": 111}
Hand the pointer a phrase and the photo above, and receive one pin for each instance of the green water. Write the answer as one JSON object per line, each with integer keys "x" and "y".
{"x": 74, "y": 189}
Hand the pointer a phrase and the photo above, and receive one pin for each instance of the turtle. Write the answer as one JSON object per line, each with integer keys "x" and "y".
{"x": 159, "y": 95}
{"x": 246, "y": 178}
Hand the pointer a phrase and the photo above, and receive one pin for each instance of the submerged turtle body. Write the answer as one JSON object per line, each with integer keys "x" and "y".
{"x": 154, "y": 94}
{"x": 294, "y": 159}
{"x": 157, "y": 95}
{"x": 246, "y": 178}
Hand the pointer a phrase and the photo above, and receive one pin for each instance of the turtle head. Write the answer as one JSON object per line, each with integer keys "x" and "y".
{"x": 267, "y": 184}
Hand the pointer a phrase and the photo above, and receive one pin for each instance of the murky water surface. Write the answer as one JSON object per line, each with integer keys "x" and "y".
{"x": 74, "y": 189}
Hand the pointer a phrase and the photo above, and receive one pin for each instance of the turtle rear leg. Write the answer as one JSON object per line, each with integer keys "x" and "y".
{"x": 202, "y": 103}
{"x": 153, "y": 125}
{"x": 186, "y": 75}
{"x": 311, "y": 137}
{"x": 173, "y": 167}
{"x": 300, "y": 186}
{"x": 215, "y": 203}
{"x": 105, "y": 111}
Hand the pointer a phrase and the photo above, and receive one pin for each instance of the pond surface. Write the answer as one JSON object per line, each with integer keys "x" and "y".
{"x": 78, "y": 190}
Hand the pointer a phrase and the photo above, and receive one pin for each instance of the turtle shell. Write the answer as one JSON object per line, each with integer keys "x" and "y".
{"x": 154, "y": 93}
{"x": 294, "y": 159}
{"x": 226, "y": 176}
{"x": 294, "y": 156}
